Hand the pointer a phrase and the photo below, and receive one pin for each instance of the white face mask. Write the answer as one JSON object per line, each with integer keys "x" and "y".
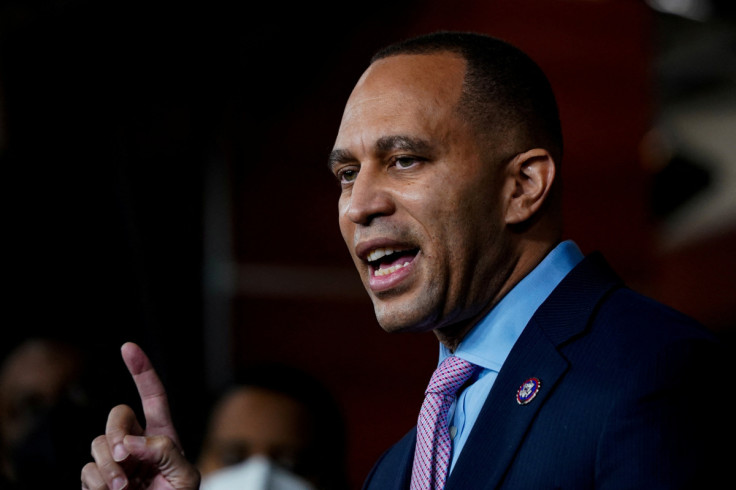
{"x": 255, "y": 473}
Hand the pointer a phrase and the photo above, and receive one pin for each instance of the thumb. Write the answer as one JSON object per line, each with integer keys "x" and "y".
{"x": 161, "y": 453}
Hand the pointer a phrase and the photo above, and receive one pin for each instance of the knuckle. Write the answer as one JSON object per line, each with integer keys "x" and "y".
{"x": 162, "y": 443}
{"x": 120, "y": 411}
{"x": 91, "y": 478}
{"x": 119, "y": 422}
{"x": 104, "y": 467}
{"x": 119, "y": 414}
{"x": 98, "y": 443}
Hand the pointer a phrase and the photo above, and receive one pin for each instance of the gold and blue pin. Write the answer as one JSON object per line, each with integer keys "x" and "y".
{"x": 528, "y": 390}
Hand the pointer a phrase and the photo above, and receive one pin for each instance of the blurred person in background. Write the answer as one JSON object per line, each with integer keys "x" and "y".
{"x": 44, "y": 403}
{"x": 274, "y": 428}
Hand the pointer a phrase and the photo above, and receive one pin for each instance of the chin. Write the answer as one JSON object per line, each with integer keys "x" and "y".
{"x": 401, "y": 318}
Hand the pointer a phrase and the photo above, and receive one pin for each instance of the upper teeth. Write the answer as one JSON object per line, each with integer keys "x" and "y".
{"x": 380, "y": 252}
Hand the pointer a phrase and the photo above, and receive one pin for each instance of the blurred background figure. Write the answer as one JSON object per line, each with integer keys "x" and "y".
{"x": 43, "y": 403}
{"x": 276, "y": 428}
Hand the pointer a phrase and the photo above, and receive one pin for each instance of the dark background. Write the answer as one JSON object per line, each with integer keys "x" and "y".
{"x": 166, "y": 180}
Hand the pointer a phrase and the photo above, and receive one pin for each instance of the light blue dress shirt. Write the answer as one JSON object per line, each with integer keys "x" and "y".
{"x": 489, "y": 343}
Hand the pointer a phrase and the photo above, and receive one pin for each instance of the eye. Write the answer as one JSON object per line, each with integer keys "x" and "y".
{"x": 233, "y": 453}
{"x": 346, "y": 175}
{"x": 403, "y": 162}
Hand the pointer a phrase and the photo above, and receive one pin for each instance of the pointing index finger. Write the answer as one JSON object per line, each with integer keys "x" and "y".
{"x": 151, "y": 390}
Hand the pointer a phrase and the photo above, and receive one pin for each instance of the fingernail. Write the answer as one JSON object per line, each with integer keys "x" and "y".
{"x": 118, "y": 483}
{"x": 119, "y": 452}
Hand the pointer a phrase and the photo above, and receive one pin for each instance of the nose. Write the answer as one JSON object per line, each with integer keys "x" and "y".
{"x": 370, "y": 197}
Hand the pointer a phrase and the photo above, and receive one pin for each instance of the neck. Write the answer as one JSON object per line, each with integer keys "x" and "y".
{"x": 452, "y": 335}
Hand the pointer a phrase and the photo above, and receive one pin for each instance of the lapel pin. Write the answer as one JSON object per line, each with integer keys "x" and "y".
{"x": 528, "y": 390}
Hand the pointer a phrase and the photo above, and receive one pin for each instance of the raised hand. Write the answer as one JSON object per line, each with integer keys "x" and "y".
{"x": 132, "y": 457}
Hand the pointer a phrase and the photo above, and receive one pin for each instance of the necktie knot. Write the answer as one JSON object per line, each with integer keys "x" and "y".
{"x": 452, "y": 373}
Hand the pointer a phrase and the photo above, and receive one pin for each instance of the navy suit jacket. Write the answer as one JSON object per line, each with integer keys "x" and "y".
{"x": 633, "y": 395}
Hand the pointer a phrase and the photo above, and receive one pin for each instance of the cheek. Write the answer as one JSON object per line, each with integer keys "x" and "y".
{"x": 470, "y": 224}
{"x": 346, "y": 228}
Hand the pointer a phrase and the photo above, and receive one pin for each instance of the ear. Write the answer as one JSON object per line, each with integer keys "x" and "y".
{"x": 529, "y": 178}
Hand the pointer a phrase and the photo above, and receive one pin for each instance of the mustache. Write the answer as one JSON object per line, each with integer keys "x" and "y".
{"x": 385, "y": 232}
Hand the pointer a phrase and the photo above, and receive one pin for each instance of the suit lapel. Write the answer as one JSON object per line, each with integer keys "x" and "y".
{"x": 405, "y": 456}
{"x": 502, "y": 423}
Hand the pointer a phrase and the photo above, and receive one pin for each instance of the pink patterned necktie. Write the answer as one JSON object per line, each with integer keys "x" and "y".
{"x": 434, "y": 446}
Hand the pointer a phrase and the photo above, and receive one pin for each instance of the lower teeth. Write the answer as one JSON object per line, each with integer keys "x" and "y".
{"x": 389, "y": 270}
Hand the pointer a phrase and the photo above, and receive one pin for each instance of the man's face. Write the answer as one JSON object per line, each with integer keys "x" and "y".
{"x": 420, "y": 209}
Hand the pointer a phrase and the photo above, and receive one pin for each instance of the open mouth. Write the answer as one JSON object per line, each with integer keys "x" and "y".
{"x": 385, "y": 261}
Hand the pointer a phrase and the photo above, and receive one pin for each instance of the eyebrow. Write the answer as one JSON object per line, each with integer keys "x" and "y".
{"x": 338, "y": 156}
{"x": 404, "y": 143}
{"x": 384, "y": 144}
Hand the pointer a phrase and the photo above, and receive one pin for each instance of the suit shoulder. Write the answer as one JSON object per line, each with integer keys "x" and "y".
{"x": 643, "y": 314}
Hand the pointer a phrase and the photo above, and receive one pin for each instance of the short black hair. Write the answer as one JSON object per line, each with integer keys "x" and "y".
{"x": 503, "y": 87}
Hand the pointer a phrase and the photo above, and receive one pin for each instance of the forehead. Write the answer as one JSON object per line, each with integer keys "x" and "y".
{"x": 256, "y": 412}
{"x": 422, "y": 75}
{"x": 403, "y": 90}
